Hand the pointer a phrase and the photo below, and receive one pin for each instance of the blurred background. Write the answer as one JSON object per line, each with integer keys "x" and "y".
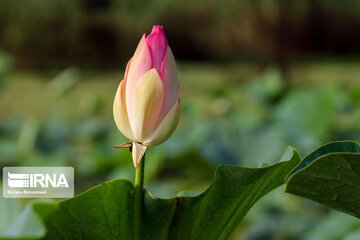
{"x": 257, "y": 75}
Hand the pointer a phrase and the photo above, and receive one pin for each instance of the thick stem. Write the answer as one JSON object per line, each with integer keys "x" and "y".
{"x": 139, "y": 186}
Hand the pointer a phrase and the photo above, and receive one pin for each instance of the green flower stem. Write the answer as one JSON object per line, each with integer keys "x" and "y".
{"x": 139, "y": 186}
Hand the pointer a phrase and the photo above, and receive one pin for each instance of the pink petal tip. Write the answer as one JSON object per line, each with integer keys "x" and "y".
{"x": 158, "y": 44}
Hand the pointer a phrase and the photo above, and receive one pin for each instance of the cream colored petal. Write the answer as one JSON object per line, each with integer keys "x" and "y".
{"x": 166, "y": 127}
{"x": 120, "y": 114}
{"x": 149, "y": 95}
{"x": 138, "y": 151}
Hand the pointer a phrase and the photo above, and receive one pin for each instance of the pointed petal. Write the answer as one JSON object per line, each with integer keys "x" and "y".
{"x": 166, "y": 127}
{"x": 157, "y": 43}
{"x": 123, "y": 145}
{"x": 138, "y": 151}
{"x": 169, "y": 78}
{"x": 127, "y": 69}
{"x": 120, "y": 114}
{"x": 140, "y": 63}
{"x": 149, "y": 95}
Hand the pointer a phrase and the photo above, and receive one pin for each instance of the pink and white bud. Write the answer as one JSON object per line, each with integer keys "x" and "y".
{"x": 147, "y": 103}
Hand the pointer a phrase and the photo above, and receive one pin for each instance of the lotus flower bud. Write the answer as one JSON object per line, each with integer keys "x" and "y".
{"x": 147, "y": 103}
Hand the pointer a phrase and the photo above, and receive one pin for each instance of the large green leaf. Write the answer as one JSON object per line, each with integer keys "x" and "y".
{"x": 106, "y": 211}
{"x": 331, "y": 176}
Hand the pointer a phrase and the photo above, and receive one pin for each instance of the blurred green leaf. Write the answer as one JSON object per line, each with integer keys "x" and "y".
{"x": 353, "y": 236}
{"x": 336, "y": 225}
{"x": 29, "y": 224}
{"x": 306, "y": 115}
{"x": 267, "y": 85}
{"x": 63, "y": 82}
{"x": 10, "y": 208}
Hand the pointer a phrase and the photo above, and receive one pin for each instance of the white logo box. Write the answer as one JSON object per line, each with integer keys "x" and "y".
{"x": 38, "y": 182}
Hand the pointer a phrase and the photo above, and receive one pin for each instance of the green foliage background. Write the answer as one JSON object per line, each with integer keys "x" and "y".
{"x": 246, "y": 124}
{"x": 246, "y": 98}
